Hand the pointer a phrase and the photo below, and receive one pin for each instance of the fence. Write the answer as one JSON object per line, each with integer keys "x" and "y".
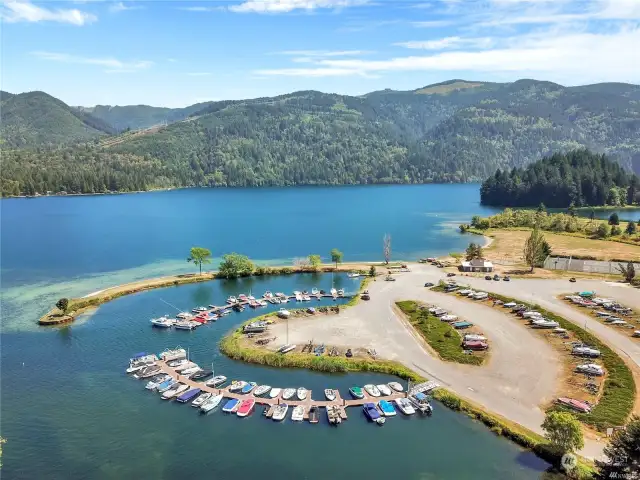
{"x": 587, "y": 266}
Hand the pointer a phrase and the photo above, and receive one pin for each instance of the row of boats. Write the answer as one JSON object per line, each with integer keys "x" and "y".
{"x": 279, "y": 297}
{"x": 611, "y": 313}
{"x": 445, "y": 316}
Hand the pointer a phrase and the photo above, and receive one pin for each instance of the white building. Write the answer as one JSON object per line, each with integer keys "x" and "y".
{"x": 477, "y": 265}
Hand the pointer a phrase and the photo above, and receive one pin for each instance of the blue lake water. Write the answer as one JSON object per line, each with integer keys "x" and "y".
{"x": 68, "y": 409}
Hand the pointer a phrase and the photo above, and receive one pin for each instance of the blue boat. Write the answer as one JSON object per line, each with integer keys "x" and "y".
{"x": 188, "y": 395}
{"x": 461, "y": 325}
{"x": 371, "y": 411}
{"x": 231, "y": 406}
{"x": 387, "y": 408}
{"x": 164, "y": 384}
{"x": 248, "y": 387}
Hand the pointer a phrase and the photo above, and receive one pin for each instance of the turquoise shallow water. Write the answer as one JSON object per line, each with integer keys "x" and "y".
{"x": 69, "y": 411}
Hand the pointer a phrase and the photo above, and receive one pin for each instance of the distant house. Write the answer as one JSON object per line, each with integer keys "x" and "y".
{"x": 477, "y": 265}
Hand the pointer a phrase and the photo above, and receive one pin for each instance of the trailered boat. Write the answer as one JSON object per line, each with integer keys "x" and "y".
{"x": 274, "y": 392}
{"x": 356, "y": 392}
{"x": 574, "y": 404}
{"x": 210, "y": 404}
{"x": 404, "y": 405}
{"x": 384, "y": 389}
{"x": 245, "y": 407}
{"x": 396, "y": 386}
{"x": 330, "y": 394}
{"x": 162, "y": 322}
{"x": 302, "y": 393}
{"x": 280, "y": 412}
{"x": 201, "y": 399}
{"x": 284, "y": 313}
{"x": 314, "y": 414}
{"x": 237, "y": 385}
{"x": 288, "y": 393}
{"x": 286, "y": 348}
{"x": 248, "y": 387}
{"x": 298, "y": 413}
{"x": 216, "y": 381}
{"x": 261, "y": 390}
{"x": 372, "y": 390}
{"x": 231, "y": 406}
{"x": 386, "y": 408}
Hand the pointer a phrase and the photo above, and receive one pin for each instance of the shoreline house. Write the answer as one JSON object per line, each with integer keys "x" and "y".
{"x": 477, "y": 265}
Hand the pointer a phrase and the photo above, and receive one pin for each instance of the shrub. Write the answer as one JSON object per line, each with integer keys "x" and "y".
{"x": 615, "y": 231}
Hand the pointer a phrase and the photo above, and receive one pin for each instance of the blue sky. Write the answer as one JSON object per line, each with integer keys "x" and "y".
{"x": 175, "y": 53}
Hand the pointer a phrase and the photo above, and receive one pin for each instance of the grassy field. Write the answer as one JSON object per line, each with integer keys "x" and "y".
{"x": 508, "y": 244}
{"x": 619, "y": 390}
{"x": 441, "y": 336}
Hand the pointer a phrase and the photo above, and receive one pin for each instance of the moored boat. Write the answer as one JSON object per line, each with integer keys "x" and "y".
{"x": 288, "y": 393}
{"x": 371, "y": 411}
{"x": 333, "y": 415}
{"x": 212, "y": 403}
{"x": 298, "y": 413}
{"x": 280, "y": 412}
{"x": 166, "y": 385}
{"x": 216, "y": 381}
{"x": 201, "y": 399}
{"x": 274, "y": 392}
{"x": 301, "y": 393}
{"x": 356, "y": 392}
{"x": 245, "y": 407}
{"x": 248, "y": 387}
{"x": 174, "y": 391}
{"x": 261, "y": 390}
{"x": 185, "y": 366}
{"x": 162, "y": 322}
{"x": 384, "y": 389}
{"x": 421, "y": 403}
{"x": 314, "y": 414}
{"x": 231, "y": 406}
{"x": 201, "y": 374}
{"x": 156, "y": 381}
{"x": 372, "y": 390}
{"x": 188, "y": 395}
{"x": 237, "y": 385}
{"x": 404, "y": 405}
{"x": 386, "y": 408}
{"x": 396, "y": 386}
{"x": 330, "y": 394}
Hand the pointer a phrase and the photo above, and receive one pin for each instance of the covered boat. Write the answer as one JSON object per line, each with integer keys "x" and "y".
{"x": 248, "y": 387}
{"x": 461, "y": 325}
{"x": 189, "y": 395}
{"x": 356, "y": 392}
{"x": 474, "y": 345}
{"x": 421, "y": 403}
{"x": 231, "y": 405}
{"x": 386, "y": 408}
{"x": 371, "y": 411}
{"x": 245, "y": 407}
{"x": 574, "y": 404}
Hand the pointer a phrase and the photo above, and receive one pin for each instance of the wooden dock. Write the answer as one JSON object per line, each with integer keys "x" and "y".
{"x": 292, "y": 402}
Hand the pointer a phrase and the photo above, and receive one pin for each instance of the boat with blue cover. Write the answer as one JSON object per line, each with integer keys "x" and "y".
{"x": 231, "y": 405}
{"x": 248, "y": 387}
{"x": 188, "y": 395}
{"x": 387, "y": 408}
{"x": 461, "y": 325}
{"x": 166, "y": 385}
{"x": 421, "y": 403}
{"x": 372, "y": 413}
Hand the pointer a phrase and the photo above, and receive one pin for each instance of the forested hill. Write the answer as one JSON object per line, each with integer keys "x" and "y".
{"x": 454, "y": 131}
{"x": 579, "y": 177}
{"x": 36, "y": 119}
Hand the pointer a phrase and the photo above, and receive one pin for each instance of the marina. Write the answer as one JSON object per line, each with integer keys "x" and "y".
{"x": 241, "y": 397}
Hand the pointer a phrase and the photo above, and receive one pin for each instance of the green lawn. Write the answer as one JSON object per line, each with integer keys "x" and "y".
{"x": 441, "y": 336}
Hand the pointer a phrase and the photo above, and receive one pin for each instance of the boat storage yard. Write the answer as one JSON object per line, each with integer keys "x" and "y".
{"x": 171, "y": 375}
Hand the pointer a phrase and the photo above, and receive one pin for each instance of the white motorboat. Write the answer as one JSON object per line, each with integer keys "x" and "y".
{"x": 175, "y": 391}
{"x": 341, "y": 292}
{"x": 284, "y": 313}
{"x": 472, "y": 337}
{"x": 298, "y": 296}
{"x": 531, "y": 314}
{"x": 201, "y": 399}
{"x": 396, "y": 386}
{"x": 280, "y": 412}
{"x": 184, "y": 315}
{"x": 190, "y": 371}
{"x": 286, "y": 348}
{"x": 372, "y": 390}
{"x": 590, "y": 369}
{"x": 261, "y": 390}
{"x": 284, "y": 299}
{"x": 449, "y": 318}
{"x": 251, "y": 298}
{"x": 162, "y": 322}
{"x": 135, "y": 368}
{"x": 404, "y": 405}
{"x": 334, "y": 292}
{"x": 480, "y": 296}
{"x": 262, "y": 303}
{"x": 306, "y": 298}
{"x": 301, "y": 393}
{"x": 211, "y": 403}
{"x": 330, "y": 394}
{"x": 274, "y": 392}
{"x": 232, "y": 300}
{"x": 237, "y": 385}
{"x": 186, "y": 325}
{"x": 184, "y": 366}
{"x": 216, "y": 381}
{"x": 153, "y": 384}
{"x": 384, "y": 389}
{"x": 353, "y": 275}
{"x": 542, "y": 323}
{"x": 167, "y": 385}
{"x": 509, "y": 304}
{"x": 315, "y": 291}
{"x": 288, "y": 393}
{"x": 298, "y": 414}
{"x": 585, "y": 352}
{"x": 177, "y": 363}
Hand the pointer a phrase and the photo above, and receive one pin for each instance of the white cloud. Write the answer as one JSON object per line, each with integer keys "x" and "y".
{"x": 570, "y": 57}
{"x": 448, "y": 43}
{"x": 284, "y": 6}
{"x": 121, "y": 7}
{"x": 111, "y": 65}
{"x": 14, "y": 11}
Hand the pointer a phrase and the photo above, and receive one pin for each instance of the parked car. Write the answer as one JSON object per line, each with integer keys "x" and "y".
{"x": 506, "y": 278}
{"x": 496, "y": 277}
{"x": 488, "y": 277}
{"x": 429, "y": 284}
{"x": 572, "y": 280}
{"x": 451, "y": 274}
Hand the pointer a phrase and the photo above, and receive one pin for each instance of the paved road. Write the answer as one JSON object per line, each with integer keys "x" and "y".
{"x": 523, "y": 369}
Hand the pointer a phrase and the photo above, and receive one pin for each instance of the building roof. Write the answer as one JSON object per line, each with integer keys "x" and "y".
{"x": 478, "y": 262}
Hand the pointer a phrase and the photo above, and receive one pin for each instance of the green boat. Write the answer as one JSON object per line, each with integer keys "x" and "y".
{"x": 356, "y": 392}
{"x": 587, "y": 294}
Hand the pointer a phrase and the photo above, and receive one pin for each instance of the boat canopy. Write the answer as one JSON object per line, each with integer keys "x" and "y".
{"x": 139, "y": 355}
{"x": 421, "y": 396}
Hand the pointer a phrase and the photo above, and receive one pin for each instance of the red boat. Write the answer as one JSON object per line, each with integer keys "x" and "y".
{"x": 200, "y": 320}
{"x": 582, "y": 407}
{"x": 475, "y": 345}
{"x": 245, "y": 407}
